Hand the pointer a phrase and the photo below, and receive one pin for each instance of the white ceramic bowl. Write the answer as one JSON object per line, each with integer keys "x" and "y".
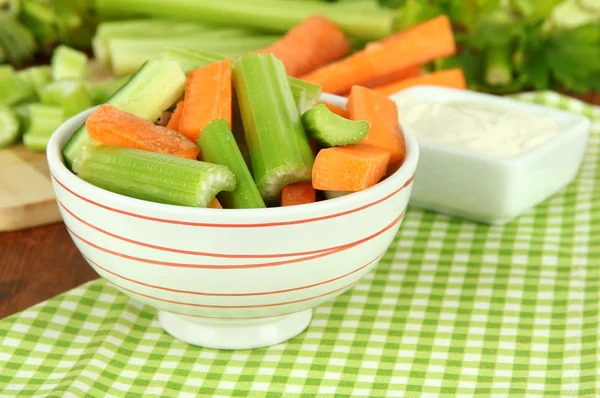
{"x": 231, "y": 279}
{"x": 490, "y": 189}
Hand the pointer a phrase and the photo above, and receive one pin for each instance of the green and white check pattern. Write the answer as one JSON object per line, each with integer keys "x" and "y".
{"x": 454, "y": 309}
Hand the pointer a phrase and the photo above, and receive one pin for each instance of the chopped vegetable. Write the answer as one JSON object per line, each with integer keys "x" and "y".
{"x": 154, "y": 88}
{"x": 43, "y": 121}
{"x": 279, "y": 149}
{"x": 207, "y": 97}
{"x": 9, "y": 126}
{"x": 299, "y": 193}
{"x": 313, "y": 43}
{"x": 13, "y": 89}
{"x": 416, "y": 46}
{"x": 151, "y": 176}
{"x": 215, "y": 204}
{"x": 336, "y": 109}
{"x": 176, "y": 117}
{"x": 218, "y": 146}
{"x": 71, "y": 95}
{"x": 395, "y": 76}
{"x": 102, "y": 90}
{"x": 453, "y": 78}
{"x": 68, "y": 64}
{"x": 498, "y": 65}
{"x": 111, "y": 126}
{"x": 36, "y": 76}
{"x": 382, "y": 115}
{"x": 349, "y": 168}
{"x": 331, "y": 129}
{"x": 305, "y": 94}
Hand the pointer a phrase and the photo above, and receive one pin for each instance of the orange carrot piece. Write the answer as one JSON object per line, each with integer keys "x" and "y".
{"x": 382, "y": 114}
{"x": 453, "y": 78}
{"x": 336, "y": 109}
{"x": 176, "y": 117}
{"x": 349, "y": 168}
{"x": 215, "y": 204}
{"x": 395, "y": 76}
{"x": 298, "y": 193}
{"x": 314, "y": 42}
{"x": 111, "y": 126}
{"x": 207, "y": 98}
{"x": 416, "y": 46}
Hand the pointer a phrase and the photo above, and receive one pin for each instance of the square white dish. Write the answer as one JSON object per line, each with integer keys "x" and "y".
{"x": 492, "y": 189}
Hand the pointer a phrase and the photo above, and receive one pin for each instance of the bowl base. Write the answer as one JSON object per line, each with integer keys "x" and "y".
{"x": 234, "y": 334}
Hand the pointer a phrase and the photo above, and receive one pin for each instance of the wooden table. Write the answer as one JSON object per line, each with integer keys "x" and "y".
{"x": 37, "y": 264}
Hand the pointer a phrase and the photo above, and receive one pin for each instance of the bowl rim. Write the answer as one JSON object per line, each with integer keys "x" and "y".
{"x": 63, "y": 176}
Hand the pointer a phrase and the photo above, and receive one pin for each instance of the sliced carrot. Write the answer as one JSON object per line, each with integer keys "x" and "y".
{"x": 111, "y": 126}
{"x": 382, "y": 115}
{"x": 395, "y": 76}
{"x": 453, "y": 78}
{"x": 314, "y": 42}
{"x": 349, "y": 168}
{"x": 207, "y": 98}
{"x": 215, "y": 204}
{"x": 416, "y": 46}
{"x": 298, "y": 193}
{"x": 336, "y": 109}
{"x": 176, "y": 117}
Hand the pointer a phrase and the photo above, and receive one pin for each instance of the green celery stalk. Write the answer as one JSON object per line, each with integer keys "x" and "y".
{"x": 153, "y": 176}
{"x": 9, "y": 126}
{"x": 43, "y": 121}
{"x": 237, "y": 128}
{"x": 13, "y": 89}
{"x": 498, "y": 70}
{"x": 36, "y": 76}
{"x": 102, "y": 90}
{"x": 127, "y": 55}
{"x": 279, "y": 148}
{"x": 68, "y": 64}
{"x": 331, "y": 129}
{"x": 39, "y": 19}
{"x": 72, "y": 96}
{"x": 268, "y": 15}
{"x": 305, "y": 94}
{"x": 22, "y": 113}
{"x": 17, "y": 41}
{"x": 218, "y": 146}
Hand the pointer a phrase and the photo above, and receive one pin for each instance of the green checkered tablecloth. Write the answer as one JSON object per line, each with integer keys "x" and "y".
{"x": 454, "y": 309}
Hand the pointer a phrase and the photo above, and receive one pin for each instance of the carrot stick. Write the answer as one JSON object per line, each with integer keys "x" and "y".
{"x": 215, "y": 204}
{"x": 382, "y": 115}
{"x": 416, "y": 46}
{"x": 207, "y": 98}
{"x": 453, "y": 78}
{"x": 336, "y": 109}
{"x": 176, "y": 117}
{"x": 298, "y": 193}
{"x": 394, "y": 76}
{"x": 309, "y": 45}
{"x": 111, "y": 126}
{"x": 349, "y": 168}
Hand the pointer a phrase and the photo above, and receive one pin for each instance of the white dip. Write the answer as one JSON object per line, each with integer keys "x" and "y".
{"x": 484, "y": 128}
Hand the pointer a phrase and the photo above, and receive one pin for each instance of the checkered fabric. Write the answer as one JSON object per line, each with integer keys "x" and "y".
{"x": 453, "y": 309}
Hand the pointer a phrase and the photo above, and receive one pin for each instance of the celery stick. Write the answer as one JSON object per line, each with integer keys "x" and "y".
{"x": 498, "y": 70}
{"x": 22, "y": 113}
{"x": 102, "y": 90}
{"x": 43, "y": 121}
{"x": 279, "y": 148}
{"x": 72, "y": 96}
{"x": 127, "y": 55}
{"x": 218, "y": 146}
{"x": 154, "y": 88}
{"x": 9, "y": 126}
{"x": 36, "y": 76}
{"x": 270, "y": 15}
{"x": 305, "y": 94}
{"x": 331, "y": 129}
{"x": 68, "y": 64}
{"x": 237, "y": 128}
{"x": 13, "y": 89}
{"x": 153, "y": 176}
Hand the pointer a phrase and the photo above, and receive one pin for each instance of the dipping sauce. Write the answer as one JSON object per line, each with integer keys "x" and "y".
{"x": 493, "y": 130}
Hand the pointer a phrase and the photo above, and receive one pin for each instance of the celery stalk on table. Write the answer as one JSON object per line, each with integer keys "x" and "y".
{"x": 72, "y": 96}
{"x": 68, "y": 64}
{"x": 9, "y": 126}
{"x": 13, "y": 89}
{"x": 151, "y": 176}
{"x": 279, "y": 149}
{"x": 43, "y": 121}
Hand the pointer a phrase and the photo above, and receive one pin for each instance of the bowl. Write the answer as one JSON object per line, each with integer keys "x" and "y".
{"x": 231, "y": 279}
{"x": 491, "y": 189}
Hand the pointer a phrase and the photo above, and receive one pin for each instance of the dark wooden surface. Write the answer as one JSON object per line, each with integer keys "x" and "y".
{"x": 37, "y": 264}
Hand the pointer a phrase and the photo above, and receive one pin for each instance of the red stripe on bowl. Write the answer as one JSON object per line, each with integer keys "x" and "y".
{"x": 217, "y": 225}
{"x": 232, "y": 294}
{"x": 205, "y": 254}
{"x": 238, "y": 266}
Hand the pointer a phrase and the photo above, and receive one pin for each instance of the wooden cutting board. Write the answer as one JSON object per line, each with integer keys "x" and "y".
{"x": 26, "y": 195}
